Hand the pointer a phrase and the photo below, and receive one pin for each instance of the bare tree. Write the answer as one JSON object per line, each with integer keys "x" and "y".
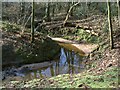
{"x": 110, "y": 24}
{"x": 53, "y": 9}
{"x": 48, "y": 11}
{"x": 118, "y": 2}
{"x": 32, "y": 22}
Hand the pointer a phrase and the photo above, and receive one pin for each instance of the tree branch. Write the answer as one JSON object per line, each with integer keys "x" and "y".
{"x": 69, "y": 13}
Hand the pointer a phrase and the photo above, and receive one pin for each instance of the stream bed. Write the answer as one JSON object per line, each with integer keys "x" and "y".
{"x": 68, "y": 62}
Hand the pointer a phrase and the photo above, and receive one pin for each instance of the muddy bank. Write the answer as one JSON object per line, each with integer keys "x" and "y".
{"x": 17, "y": 48}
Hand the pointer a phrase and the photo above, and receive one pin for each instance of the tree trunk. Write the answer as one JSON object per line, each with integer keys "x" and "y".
{"x": 21, "y": 12}
{"x": 59, "y": 7}
{"x": 67, "y": 16}
{"x": 48, "y": 11}
{"x": 32, "y": 23}
{"x": 118, "y": 2}
{"x": 71, "y": 13}
{"x": 22, "y": 9}
{"x": 53, "y": 9}
{"x": 68, "y": 7}
{"x": 110, "y": 24}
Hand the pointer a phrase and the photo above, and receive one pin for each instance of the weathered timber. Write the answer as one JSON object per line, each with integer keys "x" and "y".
{"x": 36, "y": 66}
{"x": 81, "y": 48}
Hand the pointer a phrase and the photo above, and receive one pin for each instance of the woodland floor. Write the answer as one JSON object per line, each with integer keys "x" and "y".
{"x": 102, "y": 64}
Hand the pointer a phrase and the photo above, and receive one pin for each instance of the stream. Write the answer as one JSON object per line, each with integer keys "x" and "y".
{"x": 68, "y": 62}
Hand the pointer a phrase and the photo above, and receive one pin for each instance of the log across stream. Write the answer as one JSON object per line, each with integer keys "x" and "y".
{"x": 80, "y": 48}
{"x": 69, "y": 61}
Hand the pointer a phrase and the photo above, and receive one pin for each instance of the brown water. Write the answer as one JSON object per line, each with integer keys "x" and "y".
{"x": 68, "y": 62}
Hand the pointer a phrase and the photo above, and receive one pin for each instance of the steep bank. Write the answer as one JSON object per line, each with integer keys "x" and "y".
{"x": 17, "y": 48}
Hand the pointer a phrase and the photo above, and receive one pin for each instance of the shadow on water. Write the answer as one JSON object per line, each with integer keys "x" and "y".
{"x": 68, "y": 63}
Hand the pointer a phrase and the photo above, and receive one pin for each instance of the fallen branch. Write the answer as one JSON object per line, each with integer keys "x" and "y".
{"x": 28, "y": 20}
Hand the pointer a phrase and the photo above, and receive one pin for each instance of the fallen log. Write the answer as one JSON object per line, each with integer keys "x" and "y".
{"x": 59, "y": 24}
{"x": 87, "y": 28}
{"x": 35, "y": 66}
{"x": 49, "y": 23}
{"x": 51, "y": 27}
{"x": 81, "y": 48}
{"x": 79, "y": 26}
